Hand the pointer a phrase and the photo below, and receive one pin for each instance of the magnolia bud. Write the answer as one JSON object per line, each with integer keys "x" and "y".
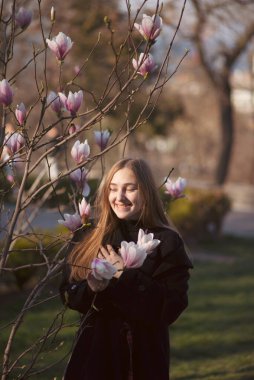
{"x": 53, "y": 14}
{"x": 6, "y": 93}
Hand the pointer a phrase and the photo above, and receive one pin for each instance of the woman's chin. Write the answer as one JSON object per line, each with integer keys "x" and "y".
{"x": 123, "y": 215}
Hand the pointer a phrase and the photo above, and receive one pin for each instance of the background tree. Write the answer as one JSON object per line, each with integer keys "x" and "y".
{"x": 221, "y": 32}
{"x": 96, "y": 29}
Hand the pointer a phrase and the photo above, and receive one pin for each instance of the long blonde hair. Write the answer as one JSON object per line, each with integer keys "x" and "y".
{"x": 105, "y": 219}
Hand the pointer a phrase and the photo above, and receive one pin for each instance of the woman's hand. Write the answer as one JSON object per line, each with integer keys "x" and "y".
{"x": 108, "y": 253}
{"x": 96, "y": 285}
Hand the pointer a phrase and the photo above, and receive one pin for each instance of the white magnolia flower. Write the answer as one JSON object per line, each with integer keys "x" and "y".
{"x": 72, "y": 222}
{"x": 176, "y": 189}
{"x": 102, "y": 269}
{"x": 80, "y": 151}
{"x": 146, "y": 241}
{"x": 133, "y": 256}
{"x": 84, "y": 209}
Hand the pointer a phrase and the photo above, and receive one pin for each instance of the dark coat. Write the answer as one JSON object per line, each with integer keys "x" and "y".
{"x": 126, "y": 335}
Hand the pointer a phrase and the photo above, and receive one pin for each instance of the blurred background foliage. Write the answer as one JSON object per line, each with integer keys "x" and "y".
{"x": 200, "y": 215}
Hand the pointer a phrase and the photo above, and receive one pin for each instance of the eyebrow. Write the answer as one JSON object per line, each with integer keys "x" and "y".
{"x": 126, "y": 184}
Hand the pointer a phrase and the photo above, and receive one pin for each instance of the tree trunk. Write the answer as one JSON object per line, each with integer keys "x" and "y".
{"x": 227, "y": 128}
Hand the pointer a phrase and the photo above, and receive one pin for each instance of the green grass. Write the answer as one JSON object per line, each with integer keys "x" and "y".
{"x": 34, "y": 325}
{"x": 212, "y": 340}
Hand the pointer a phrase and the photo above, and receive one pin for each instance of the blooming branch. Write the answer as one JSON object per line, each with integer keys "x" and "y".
{"x": 73, "y": 128}
{"x": 101, "y": 138}
{"x": 79, "y": 177}
{"x": 55, "y": 102}
{"x": 72, "y": 102}
{"x": 176, "y": 189}
{"x": 144, "y": 65}
{"x": 84, "y": 210}
{"x": 60, "y": 45}
{"x": 147, "y": 241}
{"x": 150, "y": 27}
{"x": 6, "y": 93}
{"x": 20, "y": 113}
{"x": 80, "y": 151}
{"x": 14, "y": 142}
{"x": 23, "y": 18}
{"x": 72, "y": 222}
{"x": 102, "y": 269}
{"x": 134, "y": 255}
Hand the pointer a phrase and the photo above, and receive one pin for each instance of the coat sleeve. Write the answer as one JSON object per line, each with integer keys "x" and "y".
{"x": 157, "y": 297}
{"x": 75, "y": 294}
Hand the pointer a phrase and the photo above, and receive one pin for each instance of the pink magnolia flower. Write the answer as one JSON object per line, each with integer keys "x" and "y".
{"x": 21, "y": 113}
{"x": 79, "y": 177}
{"x": 146, "y": 241}
{"x": 150, "y": 27}
{"x": 14, "y": 142}
{"x": 6, "y": 93}
{"x": 60, "y": 45}
{"x": 73, "y": 102}
{"x": 23, "y": 17}
{"x": 133, "y": 255}
{"x": 74, "y": 128}
{"x": 145, "y": 64}
{"x": 102, "y": 269}
{"x": 101, "y": 138}
{"x": 175, "y": 189}
{"x": 80, "y": 151}
{"x": 55, "y": 102}
{"x": 72, "y": 222}
{"x": 84, "y": 210}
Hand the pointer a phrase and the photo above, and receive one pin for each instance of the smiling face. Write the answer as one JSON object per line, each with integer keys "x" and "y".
{"x": 125, "y": 197}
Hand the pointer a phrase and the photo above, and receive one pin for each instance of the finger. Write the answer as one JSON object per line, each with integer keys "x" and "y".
{"x": 104, "y": 252}
{"x": 100, "y": 255}
{"x": 111, "y": 249}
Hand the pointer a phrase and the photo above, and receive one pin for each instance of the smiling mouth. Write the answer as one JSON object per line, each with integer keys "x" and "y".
{"x": 123, "y": 206}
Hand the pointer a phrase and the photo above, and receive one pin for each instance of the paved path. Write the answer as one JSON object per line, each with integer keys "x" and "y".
{"x": 239, "y": 223}
{"x": 46, "y": 218}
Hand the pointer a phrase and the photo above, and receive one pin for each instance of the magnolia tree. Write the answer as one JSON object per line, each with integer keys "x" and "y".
{"x": 60, "y": 118}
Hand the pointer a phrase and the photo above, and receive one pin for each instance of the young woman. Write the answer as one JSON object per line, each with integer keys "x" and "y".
{"x": 125, "y": 335}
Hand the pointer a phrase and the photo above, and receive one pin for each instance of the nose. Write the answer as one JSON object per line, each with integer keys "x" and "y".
{"x": 120, "y": 195}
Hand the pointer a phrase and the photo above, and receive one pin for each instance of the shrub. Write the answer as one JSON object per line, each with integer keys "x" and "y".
{"x": 28, "y": 251}
{"x": 200, "y": 214}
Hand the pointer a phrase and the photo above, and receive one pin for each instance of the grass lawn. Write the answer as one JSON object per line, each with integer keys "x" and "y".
{"x": 212, "y": 340}
{"x": 34, "y": 325}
